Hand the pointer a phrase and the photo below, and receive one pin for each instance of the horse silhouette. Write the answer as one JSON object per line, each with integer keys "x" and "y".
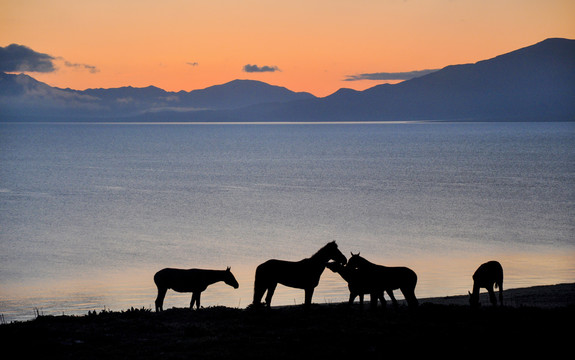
{"x": 387, "y": 279}
{"x": 356, "y": 284}
{"x": 303, "y": 274}
{"x": 487, "y": 275}
{"x": 190, "y": 280}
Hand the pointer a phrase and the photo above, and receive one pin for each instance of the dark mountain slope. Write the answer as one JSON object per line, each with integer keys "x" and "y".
{"x": 533, "y": 83}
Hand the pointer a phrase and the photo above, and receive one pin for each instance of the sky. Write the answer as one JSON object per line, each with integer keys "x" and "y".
{"x": 318, "y": 46}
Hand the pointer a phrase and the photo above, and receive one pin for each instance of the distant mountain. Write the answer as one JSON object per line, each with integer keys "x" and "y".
{"x": 21, "y": 96}
{"x": 536, "y": 81}
{"x": 234, "y": 94}
{"x": 24, "y": 98}
{"x": 533, "y": 83}
{"x": 241, "y": 93}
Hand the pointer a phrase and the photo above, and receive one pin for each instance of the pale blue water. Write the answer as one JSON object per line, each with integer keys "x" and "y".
{"x": 89, "y": 212}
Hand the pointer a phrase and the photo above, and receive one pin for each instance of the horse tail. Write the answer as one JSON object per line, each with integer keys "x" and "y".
{"x": 259, "y": 285}
{"x": 159, "y": 278}
{"x": 411, "y": 298}
{"x": 413, "y": 277}
{"x": 259, "y": 275}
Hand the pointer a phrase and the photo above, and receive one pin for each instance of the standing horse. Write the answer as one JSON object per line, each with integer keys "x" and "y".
{"x": 191, "y": 280}
{"x": 387, "y": 279}
{"x": 487, "y": 275}
{"x": 356, "y": 283}
{"x": 303, "y": 274}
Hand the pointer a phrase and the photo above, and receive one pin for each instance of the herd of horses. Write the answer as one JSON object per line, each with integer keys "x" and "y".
{"x": 362, "y": 277}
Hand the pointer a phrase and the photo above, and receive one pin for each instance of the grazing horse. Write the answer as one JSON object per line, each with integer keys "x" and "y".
{"x": 191, "y": 280}
{"x": 487, "y": 275}
{"x": 303, "y": 274}
{"x": 356, "y": 283}
{"x": 387, "y": 279}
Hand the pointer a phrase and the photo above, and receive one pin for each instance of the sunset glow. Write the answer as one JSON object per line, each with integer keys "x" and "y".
{"x": 307, "y": 45}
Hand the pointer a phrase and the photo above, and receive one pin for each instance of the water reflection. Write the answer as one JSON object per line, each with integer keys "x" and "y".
{"x": 438, "y": 276}
{"x": 90, "y": 212}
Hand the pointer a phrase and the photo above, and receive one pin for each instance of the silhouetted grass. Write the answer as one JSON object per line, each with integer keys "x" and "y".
{"x": 330, "y": 331}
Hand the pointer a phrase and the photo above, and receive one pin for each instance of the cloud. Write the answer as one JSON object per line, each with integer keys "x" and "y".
{"x": 254, "y": 68}
{"x": 90, "y": 68}
{"x": 192, "y": 63}
{"x": 20, "y": 58}
{"x": 16, "y": 57}
{"x": 389, "y": 76}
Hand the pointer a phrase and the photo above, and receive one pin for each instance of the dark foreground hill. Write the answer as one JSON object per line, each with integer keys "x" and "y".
{"x": 330, "y": 331}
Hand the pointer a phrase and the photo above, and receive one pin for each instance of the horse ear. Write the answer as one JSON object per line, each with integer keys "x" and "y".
{"x": 229, "y": 268}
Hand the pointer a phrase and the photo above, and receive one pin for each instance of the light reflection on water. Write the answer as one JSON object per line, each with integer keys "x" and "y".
{"x": 437, "y": 277}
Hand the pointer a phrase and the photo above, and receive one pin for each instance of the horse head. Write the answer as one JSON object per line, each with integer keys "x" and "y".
{"x": 230, "y": 279}
{"x": 474, "y": 299}
{"x": 335, "y": 254}
{"x": 355, "y": 261}
{"x": 334, "y": 266}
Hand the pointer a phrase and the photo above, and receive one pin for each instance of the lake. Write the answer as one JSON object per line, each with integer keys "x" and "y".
{"x": 89, "y": 212}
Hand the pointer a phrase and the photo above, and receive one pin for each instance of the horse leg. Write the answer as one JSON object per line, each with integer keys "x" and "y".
{"x": 374, "y": 297}
{"x": 413, "y": 302}
{"x": 196, "y": 298}
{"x": 352, "y": 297}
{"x": 409, "y": 295}
{"x": 390, "y": 293}
{"x": 193, "y": 301}
{"x": 501, "y": 293}
{"x": 258, "y": 294}
{"x": 308, "y": 296}
{"x": 160, "y": 299}
{"x": 373, "y": 302}
{"x": 270, "y": 294}
{"x": 492, "y": 297}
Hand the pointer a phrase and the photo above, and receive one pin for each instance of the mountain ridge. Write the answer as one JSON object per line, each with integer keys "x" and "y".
{"x": 536, "y": 82}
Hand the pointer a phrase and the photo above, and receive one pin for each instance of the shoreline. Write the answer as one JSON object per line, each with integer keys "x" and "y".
{"x": 541, "y": 296}
{"x": 533, "y": 319}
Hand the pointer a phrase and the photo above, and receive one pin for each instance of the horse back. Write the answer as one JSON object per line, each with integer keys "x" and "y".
{"x": 402, "y": 276}
{"x": 391, "y": 277}
{"x": 489, "y": 273}
{"x": 298, "y": 274}
{"x": 181, "y": 280}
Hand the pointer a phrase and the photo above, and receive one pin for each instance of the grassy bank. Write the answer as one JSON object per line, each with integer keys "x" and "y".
{"x": 438, "y": 327}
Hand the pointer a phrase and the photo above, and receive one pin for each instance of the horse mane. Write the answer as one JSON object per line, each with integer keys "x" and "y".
{"x": 325, "y": 248}
{"x": 362, "y": 260}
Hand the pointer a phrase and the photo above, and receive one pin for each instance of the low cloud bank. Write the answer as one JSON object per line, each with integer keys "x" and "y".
{"x": 389, "y": 75}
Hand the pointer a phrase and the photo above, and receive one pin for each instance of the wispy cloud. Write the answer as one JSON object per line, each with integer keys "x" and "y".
{"x": 90, "y": 68}
{"x": 254, "y": 68}
{"x": 389, "y": 75}
{"x": 16, "y": 57}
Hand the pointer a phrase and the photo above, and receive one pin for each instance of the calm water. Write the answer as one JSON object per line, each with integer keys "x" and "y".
{"x": 88, "y": 213}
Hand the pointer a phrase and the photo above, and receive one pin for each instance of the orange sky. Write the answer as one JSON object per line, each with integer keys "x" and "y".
{"x": 313, "y": 44}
